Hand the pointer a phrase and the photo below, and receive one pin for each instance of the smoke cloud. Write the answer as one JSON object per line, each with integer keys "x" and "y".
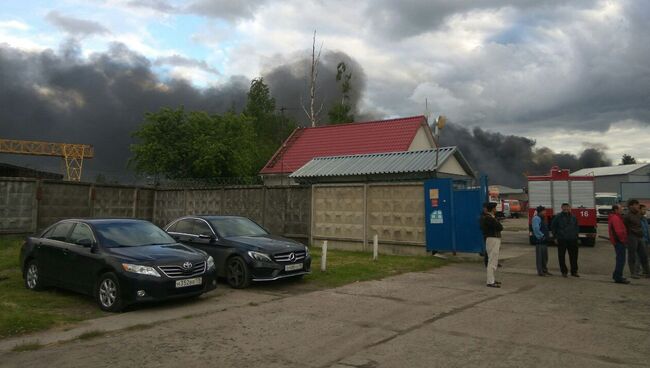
{"x": 100, "y": 100}
{"x": 507, "y": 159}
{"x": 289, "y": 84}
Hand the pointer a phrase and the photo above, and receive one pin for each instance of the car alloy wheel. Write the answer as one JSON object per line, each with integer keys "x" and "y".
{"x": 238, "y": 274}
{"x": 31, "y": 278}
{"x": 108, "y": 293}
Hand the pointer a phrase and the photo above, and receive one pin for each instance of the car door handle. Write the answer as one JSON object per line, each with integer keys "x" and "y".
{"x": 65, "y": 251}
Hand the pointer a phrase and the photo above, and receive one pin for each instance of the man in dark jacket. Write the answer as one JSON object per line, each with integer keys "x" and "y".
{"x": 565, "y": 230}
{"x": 491, "y": 229}
{"x": 635, "y": 244}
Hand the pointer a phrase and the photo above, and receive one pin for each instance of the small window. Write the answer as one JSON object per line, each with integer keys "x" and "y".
{"x": 81, "y": 231}
{"x": 202, "y": 228}
{"x": 60, "y": 231}
{"x": 184, "y": 226}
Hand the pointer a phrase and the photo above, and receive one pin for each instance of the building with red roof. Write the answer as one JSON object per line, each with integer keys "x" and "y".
{"x": 372, "y": 137}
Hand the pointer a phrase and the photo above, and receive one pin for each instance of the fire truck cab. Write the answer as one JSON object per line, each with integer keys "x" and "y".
{"x": 559, "y": 187}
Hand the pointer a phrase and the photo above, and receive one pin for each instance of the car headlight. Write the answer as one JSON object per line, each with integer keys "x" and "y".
{"x": 306, "y": 251}
{"x": 139, "y": 269}
{"x": 260, "y": 256}
{"x": 210, "y": 263}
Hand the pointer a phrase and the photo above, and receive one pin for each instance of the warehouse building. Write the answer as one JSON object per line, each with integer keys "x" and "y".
{"x": 608, "y": 179}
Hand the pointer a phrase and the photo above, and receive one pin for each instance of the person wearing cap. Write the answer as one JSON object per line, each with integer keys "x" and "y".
{"x": 491, "y": 229}
{"x": 540, "y": 233}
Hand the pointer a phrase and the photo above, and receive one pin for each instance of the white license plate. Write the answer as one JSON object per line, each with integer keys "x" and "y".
{"x": 188, "y": 282}
{"x": 293, "y": 267}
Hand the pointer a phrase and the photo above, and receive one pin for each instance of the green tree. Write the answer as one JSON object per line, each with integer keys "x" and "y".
{"x": 176, "y": 144}
{"x": 341, "y": 112}
{"x": 271, "y": 128}
{"x": 627, "y": 160}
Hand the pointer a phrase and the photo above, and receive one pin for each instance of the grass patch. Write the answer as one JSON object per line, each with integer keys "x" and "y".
{"x": 91, "y": 334}
{"x": 344, "y": 267}
{"x": 23, "y": 311}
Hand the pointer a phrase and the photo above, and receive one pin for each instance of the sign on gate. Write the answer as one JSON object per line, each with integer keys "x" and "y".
{"x": 452, "y": 216}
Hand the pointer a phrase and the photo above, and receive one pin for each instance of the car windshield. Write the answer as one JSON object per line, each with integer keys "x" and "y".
{"x": 229, "y": 227}
{"x": 131, "y": 234}
{"x": 606, "y": 201}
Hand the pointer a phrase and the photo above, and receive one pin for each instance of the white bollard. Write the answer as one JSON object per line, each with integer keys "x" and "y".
{"x": 375, "y": 247}
{"x": 323, "y": 259}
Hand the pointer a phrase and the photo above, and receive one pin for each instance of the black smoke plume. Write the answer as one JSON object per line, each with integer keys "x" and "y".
{"x": 62, "y": 97}
{"x": 508, "y": 159}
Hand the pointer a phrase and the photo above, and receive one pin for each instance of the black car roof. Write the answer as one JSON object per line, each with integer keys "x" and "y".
{"x": 104, "y": 220}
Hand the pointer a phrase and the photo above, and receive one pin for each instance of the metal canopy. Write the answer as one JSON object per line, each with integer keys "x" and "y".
{"x": 380, "y": 163}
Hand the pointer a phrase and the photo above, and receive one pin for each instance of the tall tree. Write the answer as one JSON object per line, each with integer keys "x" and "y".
{"x": 627, "y": 160}
{"x": 312, "y": 114}
{"x": 342, "y": 112}
{"x": 271, "y": 128}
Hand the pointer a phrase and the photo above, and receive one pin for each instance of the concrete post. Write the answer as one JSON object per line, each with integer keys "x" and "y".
{"x": 323, "y": 259}
{"x": 375, "y": 247}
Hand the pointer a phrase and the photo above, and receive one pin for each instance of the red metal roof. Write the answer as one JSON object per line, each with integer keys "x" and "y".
{"x": 380, "y": 136}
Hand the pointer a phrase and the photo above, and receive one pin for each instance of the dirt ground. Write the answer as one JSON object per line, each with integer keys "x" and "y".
{"x": 444, "y": 318}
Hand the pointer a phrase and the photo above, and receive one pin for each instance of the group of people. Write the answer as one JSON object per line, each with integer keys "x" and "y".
{"x": 565, "y": 230}
{"x": 629, "y": 234}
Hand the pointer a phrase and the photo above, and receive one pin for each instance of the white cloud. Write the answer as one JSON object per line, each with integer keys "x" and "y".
{"x": 14, "y": 24}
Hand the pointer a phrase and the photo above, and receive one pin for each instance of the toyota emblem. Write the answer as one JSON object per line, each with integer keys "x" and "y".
{"x": 292, "y": 257}
{"x": 187, "y": 265}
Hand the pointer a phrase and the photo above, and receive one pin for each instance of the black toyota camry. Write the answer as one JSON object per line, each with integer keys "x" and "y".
{"x": 242, "y": 249}
{"x": 118, "y": 261}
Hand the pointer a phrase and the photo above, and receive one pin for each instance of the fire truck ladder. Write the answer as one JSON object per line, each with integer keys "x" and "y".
{"x": 73, "y": 154}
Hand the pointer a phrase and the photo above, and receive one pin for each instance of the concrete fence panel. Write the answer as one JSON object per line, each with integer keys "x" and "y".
{"x": 168, "y": 205}
{"x": 114, "y": 202}
{"x": 245, "y": 201}
{"x": 60, "y": 200}
{"x": 275, "y": 204}
{"x": 144, "y": 204}
{"x": 18, "y": 205}
{"x": 204, "y": 202}
{"x": 396, "y": 213}
{"x": 297, "y": 212}
{"x": 339, "y": 215}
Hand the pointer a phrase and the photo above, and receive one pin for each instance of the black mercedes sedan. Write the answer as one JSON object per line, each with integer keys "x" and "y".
{"x": 243, "y": 250}
{"x": 118, "y": 261}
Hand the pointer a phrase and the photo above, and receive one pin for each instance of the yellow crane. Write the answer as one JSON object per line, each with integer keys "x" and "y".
{"x": 73, "y": 154}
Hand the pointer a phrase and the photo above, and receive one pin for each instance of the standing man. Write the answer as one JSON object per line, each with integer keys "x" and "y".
{"x": 540, "y": 232}
{"x": 491, "y": 229}
{"x": 635, "y": 244}
{"x": 618, "y": 238}
{"x": 565, "y": 230}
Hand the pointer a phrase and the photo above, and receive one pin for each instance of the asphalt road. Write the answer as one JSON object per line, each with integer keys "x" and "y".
{"x": 442, "y": 318}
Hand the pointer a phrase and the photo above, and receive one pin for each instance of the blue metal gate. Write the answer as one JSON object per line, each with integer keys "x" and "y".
{"x": 452, "y": 212}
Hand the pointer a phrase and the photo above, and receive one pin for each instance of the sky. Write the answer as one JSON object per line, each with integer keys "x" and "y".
{"x": 567, "y": 74}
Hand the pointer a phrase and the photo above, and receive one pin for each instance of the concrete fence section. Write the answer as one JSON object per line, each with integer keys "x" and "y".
{"x": 349, "y": 216}
{"x": 28, "y": 205}
{"x": 346, "y": 215}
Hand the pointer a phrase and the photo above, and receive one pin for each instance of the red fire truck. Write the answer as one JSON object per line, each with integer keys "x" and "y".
{"x": 559, "y": 187}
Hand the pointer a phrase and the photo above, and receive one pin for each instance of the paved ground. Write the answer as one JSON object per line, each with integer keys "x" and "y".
{"x": 442, "y": 318}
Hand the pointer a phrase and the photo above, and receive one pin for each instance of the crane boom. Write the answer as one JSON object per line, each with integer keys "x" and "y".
{"x": 73, "y": 154}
